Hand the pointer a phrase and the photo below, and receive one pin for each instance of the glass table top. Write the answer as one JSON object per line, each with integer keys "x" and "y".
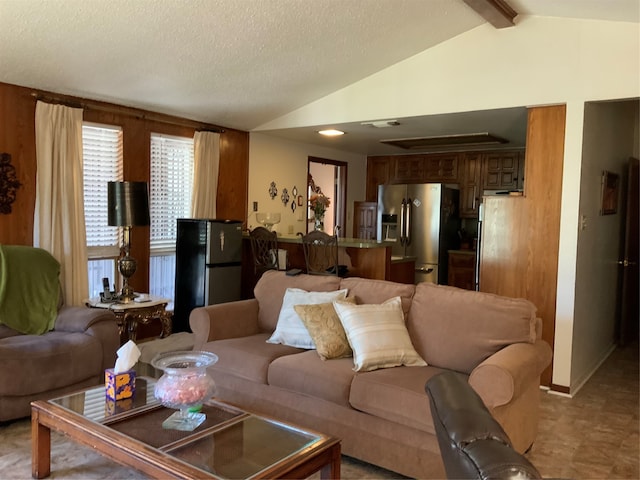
{"x": 229, "y": 444}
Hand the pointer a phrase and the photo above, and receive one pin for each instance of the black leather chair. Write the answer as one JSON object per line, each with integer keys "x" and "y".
{"x": 264, "y": 246}
{"x": 472, "y": 443}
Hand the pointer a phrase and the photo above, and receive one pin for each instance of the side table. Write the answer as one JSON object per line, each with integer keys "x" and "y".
{"x": 130, "y": 315}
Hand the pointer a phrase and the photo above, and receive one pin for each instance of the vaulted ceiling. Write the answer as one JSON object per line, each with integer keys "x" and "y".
{"x": 235, "y": 63}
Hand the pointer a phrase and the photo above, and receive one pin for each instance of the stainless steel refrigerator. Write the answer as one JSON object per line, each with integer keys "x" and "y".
{"x": 422, "y": 221}
{"x": 208, "y": 266}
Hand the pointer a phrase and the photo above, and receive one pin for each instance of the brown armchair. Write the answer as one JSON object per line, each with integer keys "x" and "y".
{"x": 72, "y": 355}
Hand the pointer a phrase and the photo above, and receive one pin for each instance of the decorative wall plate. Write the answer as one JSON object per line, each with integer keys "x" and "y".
{"x": 273, "y": 190}
{"x": 294, "y": 191}
{"x": 293, "y": 205}
{"x": 285, "y": 196}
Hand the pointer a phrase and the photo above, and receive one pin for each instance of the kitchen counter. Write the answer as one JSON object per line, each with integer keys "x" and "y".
{"x": 363, "y": 258}
{"x": 342, "y": 242}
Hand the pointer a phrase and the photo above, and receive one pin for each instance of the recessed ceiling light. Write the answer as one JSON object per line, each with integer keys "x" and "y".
{"x": 331, "y": 132}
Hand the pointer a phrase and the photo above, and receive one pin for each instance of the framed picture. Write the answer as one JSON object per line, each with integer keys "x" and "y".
{"x": 610, "y": 192}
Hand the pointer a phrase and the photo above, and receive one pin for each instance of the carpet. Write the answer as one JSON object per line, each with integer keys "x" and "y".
{"x": 72, "y": 461}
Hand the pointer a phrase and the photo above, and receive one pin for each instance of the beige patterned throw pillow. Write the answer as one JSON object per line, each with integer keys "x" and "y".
{"x": 325, "y": 329}
{"x": 378, "y": 335}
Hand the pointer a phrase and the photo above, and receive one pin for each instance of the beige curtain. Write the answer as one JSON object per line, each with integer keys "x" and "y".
{"x": 59, "y": 225}
{"x": 206, "y": 164}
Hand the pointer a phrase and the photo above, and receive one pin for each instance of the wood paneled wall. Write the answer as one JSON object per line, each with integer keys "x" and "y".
{"x": 17, "y": 137}
{"x": 521, "y": 235}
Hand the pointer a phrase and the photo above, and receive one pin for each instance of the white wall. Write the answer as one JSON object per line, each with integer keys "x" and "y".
{"x": 285, "y": 163}
{"x": 540, "y": 61}
{"x": 610, "y": 133}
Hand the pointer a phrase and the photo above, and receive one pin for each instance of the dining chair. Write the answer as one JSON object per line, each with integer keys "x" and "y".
{"x": 321, "y": 253}
{"x": 264, "y": 246}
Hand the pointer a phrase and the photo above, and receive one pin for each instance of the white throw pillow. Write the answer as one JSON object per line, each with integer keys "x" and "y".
{"x": 378, "y": 335}
{"x": 290, "y": 330}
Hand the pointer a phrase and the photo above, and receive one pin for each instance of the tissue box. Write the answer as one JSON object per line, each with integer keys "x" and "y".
{"x": 119, "y": 386}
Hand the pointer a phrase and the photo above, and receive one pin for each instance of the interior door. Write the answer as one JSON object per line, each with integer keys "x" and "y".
{"x": 628, "y": 295}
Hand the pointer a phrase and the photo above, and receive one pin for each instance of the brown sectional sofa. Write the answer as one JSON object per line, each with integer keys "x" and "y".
{"x": 382, "y": 416}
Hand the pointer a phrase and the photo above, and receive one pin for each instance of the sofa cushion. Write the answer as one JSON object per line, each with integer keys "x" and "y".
{"x": 269, "y": 291}
{"x": 67, "y": 358}
{"x": 290, "y": 330}
{"x": 458, "y": 329}
{"x": 378, "y": 335}
{"x": 247, "y": 357}
{"x": 306, "y": 373}
{"x": 325, "y": 329}
{"x": 395, "y": 394}
{"x": 6, "y": 332}
{"x": 378, "y": 291}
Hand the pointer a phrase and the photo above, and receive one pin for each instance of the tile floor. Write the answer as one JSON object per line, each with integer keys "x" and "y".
{"x": 595, "y": 433}
{"x": 591, "y": 436}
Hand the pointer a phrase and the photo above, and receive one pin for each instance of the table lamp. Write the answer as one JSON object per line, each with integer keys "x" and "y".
{"x": 128, "y": 204}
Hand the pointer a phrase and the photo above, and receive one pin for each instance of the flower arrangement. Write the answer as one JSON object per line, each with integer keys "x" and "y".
{"x": 318, "y": 203}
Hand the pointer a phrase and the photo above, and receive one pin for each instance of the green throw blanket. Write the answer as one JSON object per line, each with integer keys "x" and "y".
{"x": 29, "y": 289}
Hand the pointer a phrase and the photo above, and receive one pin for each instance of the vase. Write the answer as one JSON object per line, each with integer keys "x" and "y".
{"x": 318, "y": 222}
{"x": 184, "y": 386}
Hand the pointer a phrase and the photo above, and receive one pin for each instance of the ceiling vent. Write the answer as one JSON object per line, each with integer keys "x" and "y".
{"x": 446, "y": 141}
{"x": 382, "y": 123}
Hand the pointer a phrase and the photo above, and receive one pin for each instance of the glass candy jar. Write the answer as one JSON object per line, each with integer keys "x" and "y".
{"x": 184, "y": 386}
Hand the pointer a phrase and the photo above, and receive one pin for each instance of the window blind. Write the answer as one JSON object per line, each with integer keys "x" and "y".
{"x": 170, "y": 189}
{"x": 102, "y": 152}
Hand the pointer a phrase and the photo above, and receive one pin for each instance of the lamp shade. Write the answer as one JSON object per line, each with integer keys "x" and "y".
{"x": 128, "y": 204}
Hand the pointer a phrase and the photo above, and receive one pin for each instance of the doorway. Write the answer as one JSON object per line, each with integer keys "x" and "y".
{"x": 330, "y": 178}
{"x": 627, "y": 308}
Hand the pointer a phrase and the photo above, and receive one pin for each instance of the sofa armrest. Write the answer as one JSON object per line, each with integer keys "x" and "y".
{"x": 224, "y": 320}
{"x": 80, "y": 319}
{"x": 507, "y": 373}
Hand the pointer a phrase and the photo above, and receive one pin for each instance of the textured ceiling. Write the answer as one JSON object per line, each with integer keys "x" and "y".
{"x": 235, "y": 63}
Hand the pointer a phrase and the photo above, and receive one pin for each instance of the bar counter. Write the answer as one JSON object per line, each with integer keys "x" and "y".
{"x": 363, "y": 258}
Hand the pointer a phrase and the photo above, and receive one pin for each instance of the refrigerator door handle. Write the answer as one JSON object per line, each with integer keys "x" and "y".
{"x": 402, "y": 222}
{"x": 424, "y": 269}
{"x": 408, "y": 222}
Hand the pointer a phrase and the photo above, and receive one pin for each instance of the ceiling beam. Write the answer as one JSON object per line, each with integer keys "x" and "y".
{"x": 497, "y": 12}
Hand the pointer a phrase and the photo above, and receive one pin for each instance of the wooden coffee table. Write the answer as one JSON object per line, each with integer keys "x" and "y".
{"x": 231, "y": 443}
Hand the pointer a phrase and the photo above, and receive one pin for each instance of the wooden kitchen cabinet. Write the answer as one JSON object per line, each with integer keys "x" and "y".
{"x": 431, "y": 168}
{"x": 379, "y": 172}
{"x": 441, "y": 168}
{"x": 462, "y": 269}
{"x": 365, "y": 220}
{"x": 409, "y": 169}
{"x": 470, "y": 184}
{"x": 501, "y": 171}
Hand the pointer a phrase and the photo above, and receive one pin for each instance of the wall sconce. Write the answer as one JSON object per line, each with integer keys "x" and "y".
{"x": 128, "y": 204}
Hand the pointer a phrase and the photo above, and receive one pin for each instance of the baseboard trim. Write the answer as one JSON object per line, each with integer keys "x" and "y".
{"x": 560, "y": 389}
{"x": 571, "y": 391}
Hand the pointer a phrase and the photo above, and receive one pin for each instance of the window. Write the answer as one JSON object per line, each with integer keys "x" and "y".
{"x": 102, "y": 160}
{"x": 169, "y": 199}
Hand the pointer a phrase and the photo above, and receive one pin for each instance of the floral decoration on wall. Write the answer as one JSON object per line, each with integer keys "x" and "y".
{"x": 9, "y": 183}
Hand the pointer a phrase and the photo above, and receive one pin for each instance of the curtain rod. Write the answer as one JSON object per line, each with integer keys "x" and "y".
{"x": 141, "y": 114}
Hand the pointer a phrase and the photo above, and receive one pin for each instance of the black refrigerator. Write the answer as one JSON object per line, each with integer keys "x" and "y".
{"x": 208, "y": 266}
